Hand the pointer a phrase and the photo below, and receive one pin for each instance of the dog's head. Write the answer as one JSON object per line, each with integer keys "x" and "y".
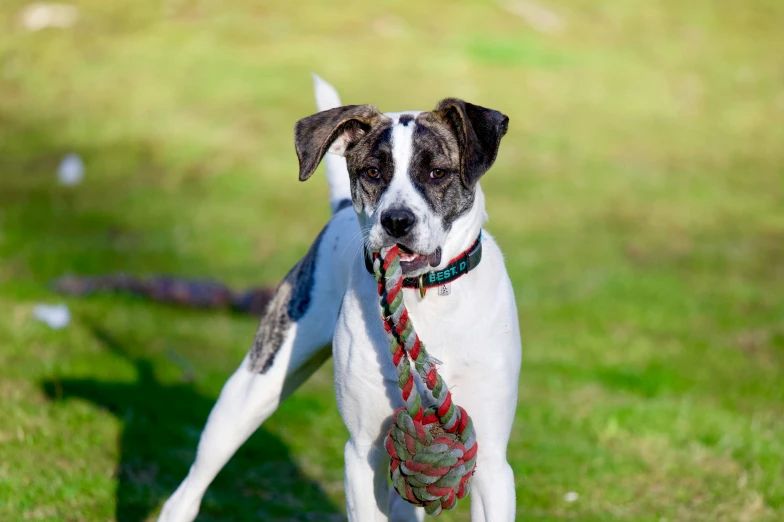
{"x": 413, "y": 175}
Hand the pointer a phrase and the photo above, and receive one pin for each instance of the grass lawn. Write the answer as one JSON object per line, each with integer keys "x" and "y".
{"x": 638, "y": 198}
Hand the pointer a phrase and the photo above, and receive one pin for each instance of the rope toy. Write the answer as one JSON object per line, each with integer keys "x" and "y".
{"x": 433, "y": 450}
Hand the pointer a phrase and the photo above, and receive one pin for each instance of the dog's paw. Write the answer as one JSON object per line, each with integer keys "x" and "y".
{"x": 179, "y": 509}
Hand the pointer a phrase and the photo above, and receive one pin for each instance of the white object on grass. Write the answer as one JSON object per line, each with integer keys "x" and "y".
{"x": 536, "y": 15}
{"x": 571, "y": 497}
{"x": 56, "y": 316}
{"x": 71, "y": 170}
{"x": 40, "y": 15}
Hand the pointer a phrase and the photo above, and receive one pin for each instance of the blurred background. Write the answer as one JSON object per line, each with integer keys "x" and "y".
{"x": 638, "y": 198}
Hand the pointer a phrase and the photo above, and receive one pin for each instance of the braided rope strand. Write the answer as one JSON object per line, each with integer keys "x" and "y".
{"x": 433, "y": 451}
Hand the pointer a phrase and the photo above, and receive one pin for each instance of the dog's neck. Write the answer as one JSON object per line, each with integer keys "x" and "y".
{"x": 465, "y": 229}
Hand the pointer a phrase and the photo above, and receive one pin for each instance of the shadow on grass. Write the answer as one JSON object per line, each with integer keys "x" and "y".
{"x": 162, "y": 423}
{"x": 107, "y": 224}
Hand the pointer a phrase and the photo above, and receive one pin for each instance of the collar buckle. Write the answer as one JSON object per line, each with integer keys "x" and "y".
{"x": 474, "y": 256}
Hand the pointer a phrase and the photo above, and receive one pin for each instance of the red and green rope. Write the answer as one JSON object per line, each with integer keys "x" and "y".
{"x": 433, "y": 450}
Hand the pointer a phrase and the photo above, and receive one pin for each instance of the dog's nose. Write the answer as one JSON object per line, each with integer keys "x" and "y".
{"x": 398, "y": 221}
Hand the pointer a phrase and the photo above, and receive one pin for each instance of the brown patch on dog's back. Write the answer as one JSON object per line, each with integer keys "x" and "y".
{"x": 289, "y": 304}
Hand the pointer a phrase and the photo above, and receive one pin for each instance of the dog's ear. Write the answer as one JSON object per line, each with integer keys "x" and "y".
{"x": 478, "y": 131}
{"x": 335, "y": 130}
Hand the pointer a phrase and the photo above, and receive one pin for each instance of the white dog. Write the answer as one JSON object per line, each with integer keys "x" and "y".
{"x": 411, "y": 179}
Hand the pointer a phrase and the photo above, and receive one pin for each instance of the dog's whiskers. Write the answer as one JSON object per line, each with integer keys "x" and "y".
{"x": 361, "y": 234}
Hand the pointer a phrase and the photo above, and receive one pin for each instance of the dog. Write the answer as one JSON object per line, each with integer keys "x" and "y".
{"x": 409, "y": 179}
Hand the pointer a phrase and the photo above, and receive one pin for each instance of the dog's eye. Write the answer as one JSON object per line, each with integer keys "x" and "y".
{"x": 371, "y": 173}
{"x": 437, "y": 173}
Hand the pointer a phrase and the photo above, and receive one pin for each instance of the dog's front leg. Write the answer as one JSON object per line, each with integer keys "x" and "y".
{"x": 491, "y": 397}
{"x": 367, "y": 467}
{"x": 365, "y": 399}
{"x": 492, "y": 486}
{"x": 492, "y": 489}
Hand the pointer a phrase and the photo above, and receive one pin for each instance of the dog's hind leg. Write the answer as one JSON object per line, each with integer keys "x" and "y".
{"x": 292, "y": 342}
{"x": 248, "y": 398}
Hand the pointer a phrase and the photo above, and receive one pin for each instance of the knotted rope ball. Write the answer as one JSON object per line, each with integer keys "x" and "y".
{"x": 433, "y": 450}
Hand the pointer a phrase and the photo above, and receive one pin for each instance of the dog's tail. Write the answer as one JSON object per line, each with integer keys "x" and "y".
{"x": 337, "y": 173}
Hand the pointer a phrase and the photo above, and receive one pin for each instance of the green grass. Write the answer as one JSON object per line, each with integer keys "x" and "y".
{"x": 638, "y": 198}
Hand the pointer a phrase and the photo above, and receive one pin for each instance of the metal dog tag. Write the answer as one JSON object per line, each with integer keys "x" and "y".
{"x": 445, "y": 289}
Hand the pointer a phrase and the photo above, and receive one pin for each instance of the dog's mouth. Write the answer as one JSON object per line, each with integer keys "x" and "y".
{"x": 413, "y": 262}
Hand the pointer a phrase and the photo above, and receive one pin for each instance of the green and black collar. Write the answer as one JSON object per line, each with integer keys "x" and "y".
{"x": 457, "y": 267}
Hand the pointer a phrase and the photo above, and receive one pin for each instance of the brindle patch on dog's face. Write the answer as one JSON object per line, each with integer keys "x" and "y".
{"x": 413, "y": 163}
{"x": 372, "y": 152}
{"x": 437, "y": 153}
{"x": 424, "y": 164}
{"x": 433, "y": 147}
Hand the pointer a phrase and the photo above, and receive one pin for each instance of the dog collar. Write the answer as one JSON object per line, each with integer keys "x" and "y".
{"x": 457, "y": 267}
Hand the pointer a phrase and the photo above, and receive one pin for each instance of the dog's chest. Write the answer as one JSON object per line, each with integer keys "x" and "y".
{"x": 444, "y": 323}
{"x": 450, "y": 326}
